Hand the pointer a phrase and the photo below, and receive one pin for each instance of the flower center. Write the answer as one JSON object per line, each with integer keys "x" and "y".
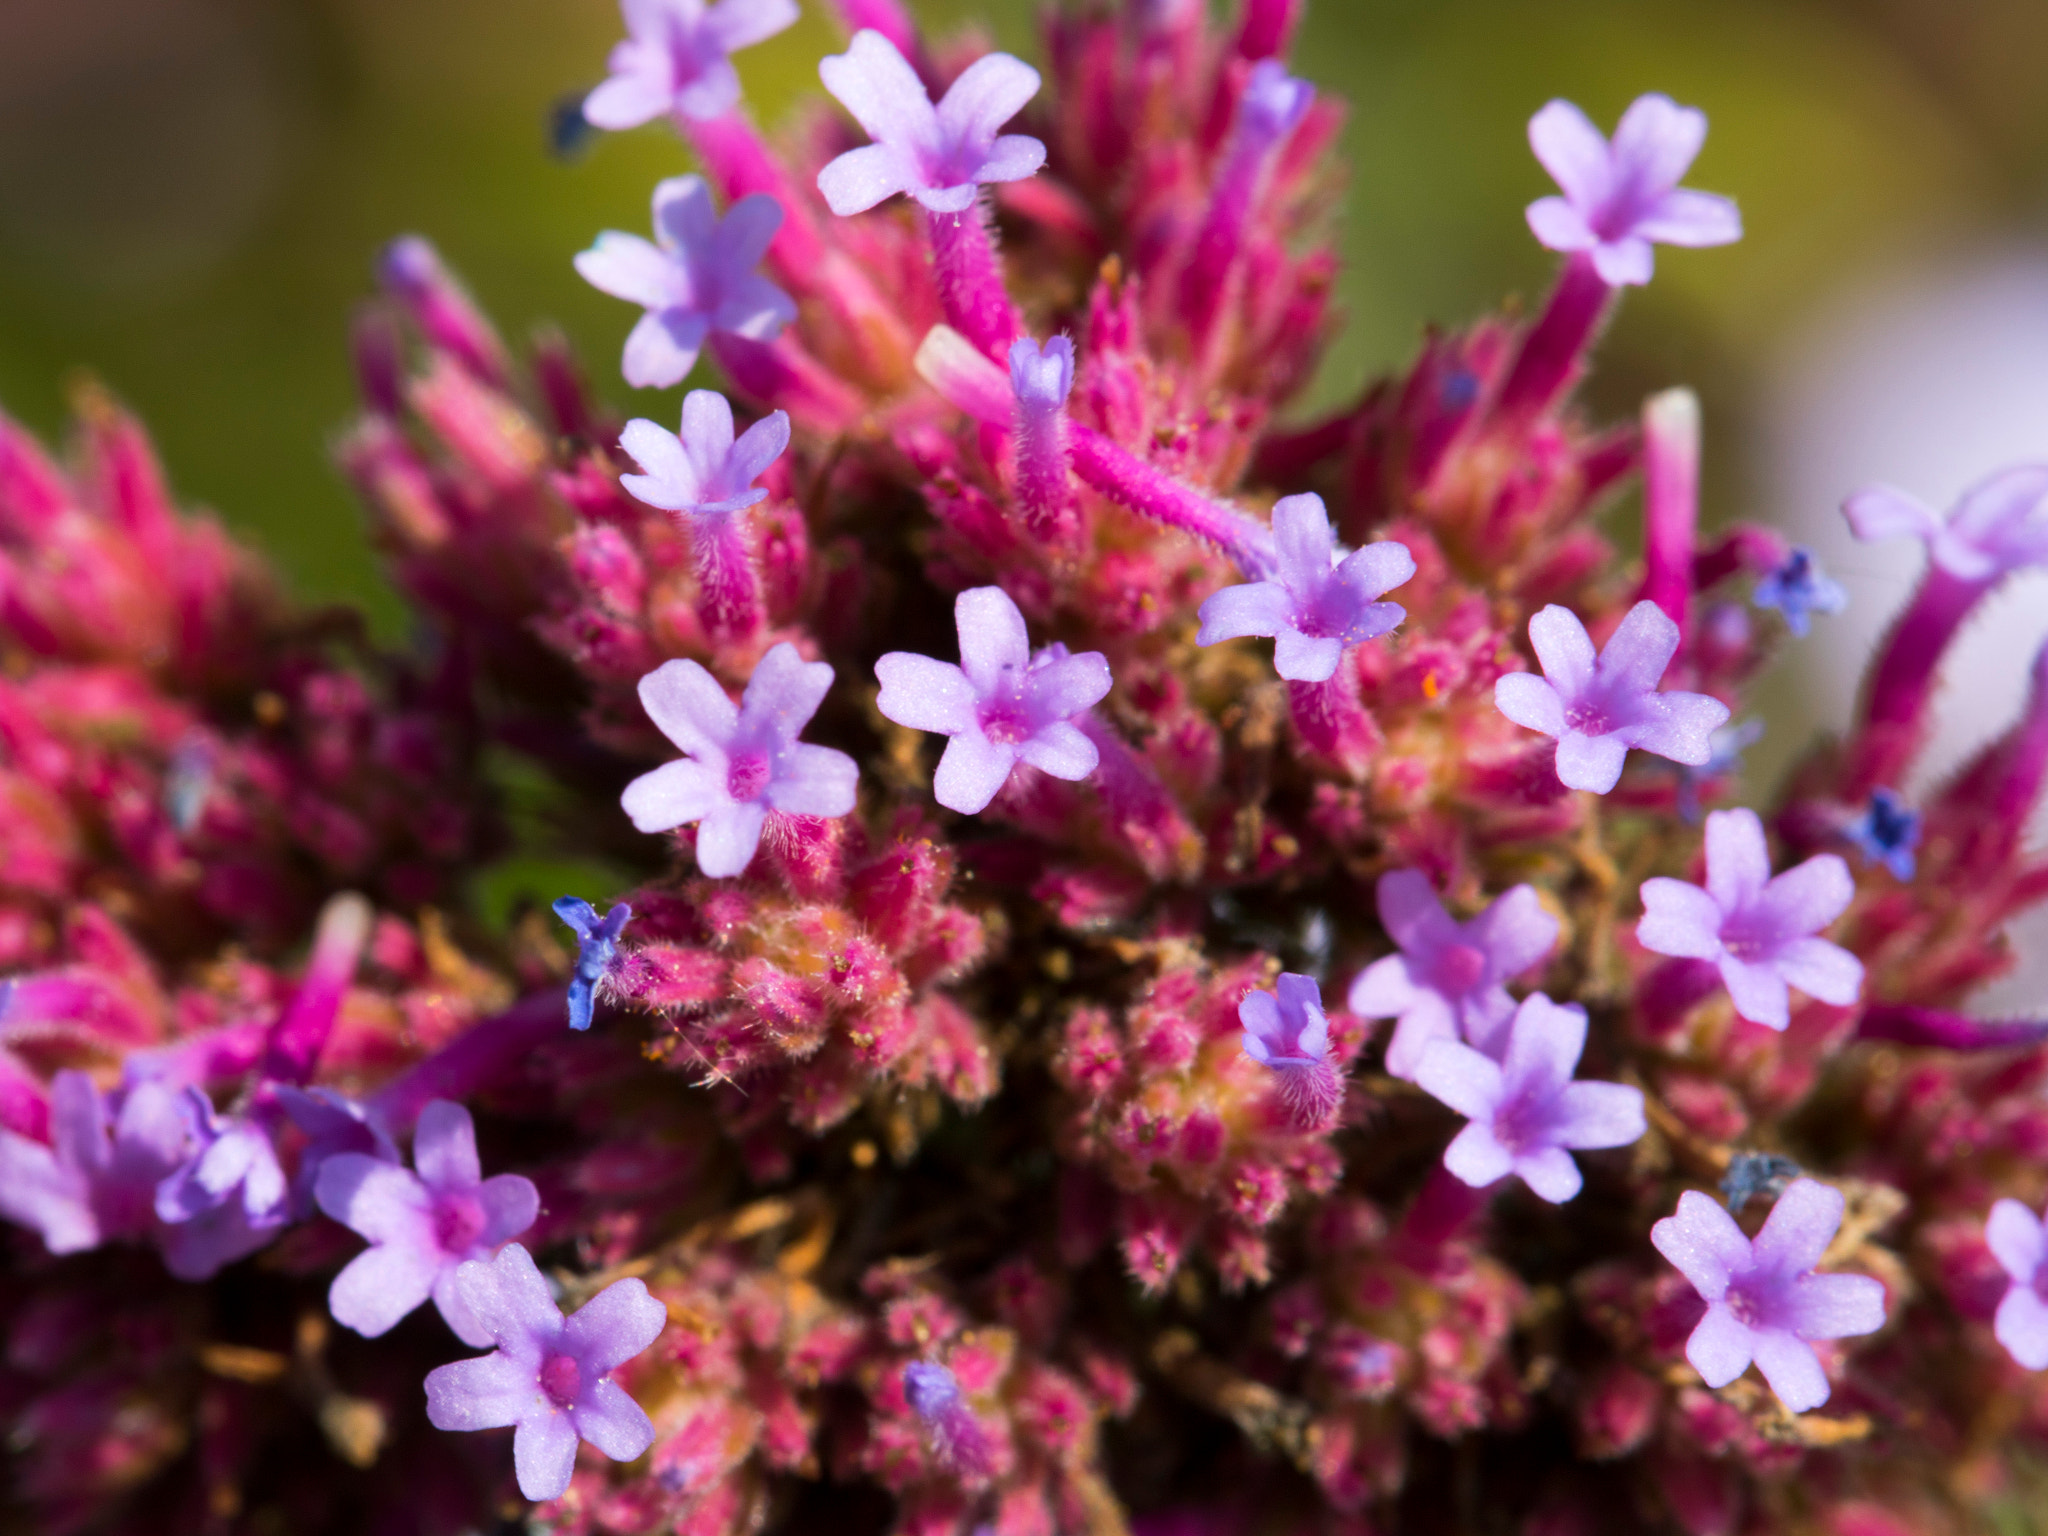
{"x": 562, "y": 1379}
{"x": 1751, "y": 1309}
{"x": 1004, "y": 722}
{"x": 1588, "y": 720}
{"x": 458, "y": 1222}
{"x": 746, "y": 775}
{"x": 1458, "y": 968}
{"x": 1519, "y": 1122}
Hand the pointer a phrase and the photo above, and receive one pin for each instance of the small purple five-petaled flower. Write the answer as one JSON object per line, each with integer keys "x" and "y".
{"x": 422, "y": 1226}
{"x": 1998, "y": 525}
{"x": 740, "y": 762}
{"x": 1887, "y": 833}
{"x": 597, "y": 952}
{"x": 1798, "y": 589}
{"x": 1445, "y": 984}
{"x": 677, "y": 57}
{"x": 1001, "y": 705}
{"x": 1322, "y": 600}
{"x": 96, "y": 1180}
{"x": 939, "y": 155}
{"x": 1763, "y": 1300}
{"x": 703, "y": 471}
{"x": 957, "y": 1438}
{"x": 1526, "y": 1115}
{"x": 1598, "y": 709}
{"x": 1621, "y": 197}
{"x": 1758, "y": 930}
{"x": 550, "y": 1376}
{"x": 1286, "y": 1031}
{"x": 227, "y": 1199}
{"x": 2017, "y": 1240}
{"x": 696, "y": 276}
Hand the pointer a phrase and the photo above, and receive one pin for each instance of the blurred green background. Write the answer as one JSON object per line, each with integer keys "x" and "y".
{"x": 192, "y": 191}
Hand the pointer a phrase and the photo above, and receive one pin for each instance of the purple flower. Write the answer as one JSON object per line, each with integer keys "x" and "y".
{"x": 1763, "y": 1299}
{"x": 2015, "y": 1237}
{"x": 703, "y": 472}
{"x": 1799, "y": 589}
{"x": 678, "y": 58}
{"x": 1620, "y": 197}
{"x": 1598, "y": 710}
{"x": 938, "y": 155}
{"x": 96, "y": 1182}
{"x": 742, "y": 763}
{"x": 421, "y": 1226}
{"x": 1001, "y": 705}
{"x": 957, "y": 1437}
{"x": 597, "y": 952}
{"x": 1320, "y": 602}
{"x": 695, "y": 278}
{"x": 1041, "y": 378}
{"x": 550, "y": 1376}
{"x": 226, "y": 1200}
{"x": 1285, "y": 1031}
{"x": 1996, "y": 527}
{"x": 333, "y": 1124}
{"x": 1525, "y": 1110}
{"x": 1445, "y": 984}
{"x": 1757, "y": 929}
{"x": 1887, "y": 833}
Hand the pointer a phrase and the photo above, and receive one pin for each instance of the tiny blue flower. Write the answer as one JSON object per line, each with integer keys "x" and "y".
{"x": 1799, "y": 589}
{"x": 597, "y": 952}
{"x": 1887, "y": 833}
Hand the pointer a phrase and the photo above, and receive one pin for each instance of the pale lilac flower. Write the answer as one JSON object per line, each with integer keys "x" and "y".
{"x": 1997, "y": 526}
{"x": 421, "y": 1225}
{"x": 740, "y": 763}
{"x": 938, "y": 155}
{"x": 1526, "y": 1113}
{"x": 1597, "y": 710}
{"x": 1758, "y": 930}
{"x": 1285, "y": 1030}
{"x": 1763, "y": 1300}
{"x": 957, "y": 1437}
{"x": 1887, "y": 833}
{"x": 1799, "y": 589}
{"x": 226, "y": 1200}
{"x": 333, "y": 1124}
{"x": 2016, "y": 1239}
{"x": 677, "y": 57}
{"x": 1622, "y": 196}
{"x": 696, "y": 277}
{"x": 1445, "y": 984}
{"x": 1001, "y": 705}
{"x": 96, "y": 1181}
{"x": 703, "y": 472}
{"x": 1320, "y": 602}
{"x": 550, "y": 1376}
{"x": 597, "y": 952}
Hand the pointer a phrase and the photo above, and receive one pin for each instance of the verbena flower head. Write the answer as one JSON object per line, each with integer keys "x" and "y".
{"x": 697, "y": 276}
{"x": 1997, "y": 526}
{"x": 550, "y": 1376}
{"x": 1446, "y": 981}
{"x": 957, "y": 1438}
{"x": 96, "y": 1181}
{"x": 1527, "y": 1114}
{"x": 227, "y": 1199}
{"x": 421, "y": 1225}
{"x": 1887, "y": 833}
{"x": 1323, "y": 599}
{"x": 740, "y": 762}
{"x": 1758, "y": 930}
{"x": 1764, "y": 1303}
{"x": 2016, "y": 1239}
{"x": 1286, "y": 1031}
{"x": 939, "y": 155}
{"x": 1798, "y": 589}
{"x": 1001, "y": 705}
{"x": 597, "y": 952}
{"x": 703, "y": 471}
{"x": 1622, "y": 197}
{"x": 1597, "y": 710}
{"x": 677, "y": 58}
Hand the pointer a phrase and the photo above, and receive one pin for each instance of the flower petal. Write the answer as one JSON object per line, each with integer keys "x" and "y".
{"x": 688, "y": 706}
{"x": 783, "y": 694}
{"x": 2015, "y": 1237}
{"x": 1558, "y": 226}
{"x": 627, "y": 100}
{"x": 1529, "y": 701}
{"x": 1625, "y": 263}
{"x": 486, "y": 1393}
{"x": 1821, "y": 970}
{"x": 1836, "y": 1306}
{"x": 383, "y": 1285}
{"x": 1383, "y": 989}
{"x": 1575, "y": 153}
{"x": 444, "y": 1147}
{"x": 1061, "y": 750}
{"x": 1545, "y": 1042}
{"x": 1721, "y": 1347}
{"x": 1705, "y": 1245}
{"x": 544, "y": 1455}
{"x": 375, "y": 1199}
{"x": 971, "y": 772}
{"x": 674, "y": 795}
{"x": 1551, "y": 1172}
{"x": 1061, "y": 688}
{"x": 1304, "y": 658}
{"x": 1684, "y": 217}
{"x": 1807, "y": 897}
{"x": 612, "y": 1422}
{"x": 861, "y": 178}
{"x": 1792, "y": 1368}
{"x": 1655, "y": 143}
{"x": 1640, "y": 649}
{"x": 1881, "y": 512}
{"x": 1306, "y": 543}
{"x": 613, "y": 1326}
{"x": 1013, "y": 157}
{"x": 1591, "y": 1115}
{"x": 1563, "y": 649}
{"x": 1476, "y": 1157}
{"x": 1589, "y": 762}
{"x": 510, "y": 1204}
{"x": 728, "y": 838}
{"x": 1515, "y": 931}
{"x": 2021, "y": 1325}
{"x": 660, "y": 352}
{"x": 994, "y": 646}
{"x": 988, "y": 93}
{"x": 758, "y": 447}
{"x": 1758, "y": 992}
{"x": 1800, "y": 1227}
{"x": 1679, "y": 726}
{"x": 1456, "y": 1075}
{"x": 630, "y": 268}
{"x": 1249, "y": 608}
{"x": 877, "y": 85}
{"x": 925, "y": 694}
{"x": 1423, "y": 1022}
{"x": 511, "y": 1301}
{"x": 1738, "y": 859}
{"x": 814, "y": 781}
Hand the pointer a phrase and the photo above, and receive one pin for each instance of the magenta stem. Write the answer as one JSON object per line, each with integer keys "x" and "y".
{"x": 728, "y": 584}
{"x": 1671, "y": 499}
{"x": 1329, "y": 716}
{"x": 1150, "y": 492}
{"x": 1553, "y": 352}
{"x": 1267, "y": 28}
{"x": 1446, "y": 1206}
{"x": 734, "y": 156}
{"x": 1755, "y": 550}
{"x": 782, "y": 376}
{"x": 886, "y": 17}
{"x": 301, "y": 1031}
{"x": 1948, "y": 1031}
{"x": 1902, "y": 682}
{"x": 1044, "y": 493}
{"x": 24, "y": 1105}
{"x": 970, "y": 279}
{"x": 491, "y": 1050}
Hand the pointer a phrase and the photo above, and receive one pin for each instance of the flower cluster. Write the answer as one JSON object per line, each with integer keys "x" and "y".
{"x": 943, "y": 1129}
